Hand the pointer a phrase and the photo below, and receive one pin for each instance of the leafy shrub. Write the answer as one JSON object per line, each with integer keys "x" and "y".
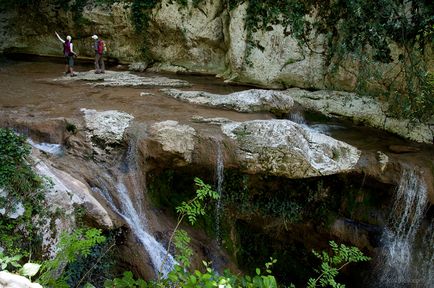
{"x": 20, "y": 186}
{"x": 79, "y": 244}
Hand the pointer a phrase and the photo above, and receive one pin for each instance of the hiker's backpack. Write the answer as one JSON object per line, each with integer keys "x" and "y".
{"x": 100, "y": 47}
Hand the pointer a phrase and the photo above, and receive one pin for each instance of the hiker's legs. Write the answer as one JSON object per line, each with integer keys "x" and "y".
{"x": 101, "y": 58}
{"x": 66, "y": 65}
{"x": 71, "y": 65}
{"x": 97, "y": 68}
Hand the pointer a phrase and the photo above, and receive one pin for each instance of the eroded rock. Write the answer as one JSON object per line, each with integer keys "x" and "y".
{"x": 254, "y": 100}
{"x": 284, "y": 148}
{"x": 64, "y": 193}
{"x": 15, "y": 209}
{"x": 174, "y": 138}
{"x": 360, "y": 110}
{"x": 124, "y": 79}
{"x": 106, "y": 126}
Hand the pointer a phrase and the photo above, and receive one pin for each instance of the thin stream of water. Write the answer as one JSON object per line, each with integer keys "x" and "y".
{"x": 219, "y": 180}
{"x": 397, "y": 265}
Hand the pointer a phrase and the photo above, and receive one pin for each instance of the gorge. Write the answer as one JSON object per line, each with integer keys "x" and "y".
{"x": 296, "y": 162}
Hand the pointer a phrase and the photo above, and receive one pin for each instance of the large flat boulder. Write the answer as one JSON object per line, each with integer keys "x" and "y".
{"x": 284, "y": 148}
{"x": 253, "y": 100}
{"x": 106, "y": 126}
{"x": 124, "y": 79}
{"x": 174, "y": 138}
{"x": 363, "y": 110}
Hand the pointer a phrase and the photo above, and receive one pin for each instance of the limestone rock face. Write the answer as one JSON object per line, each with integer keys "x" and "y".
{"x": 66, "y": 192}
{"x": 193, "y": 38}
{"x": 275, "y": 60}
{"x": 360, "y": 110}
{"x": 9, "y": 280}
{"x": 175, "y": 138}
{"x": 106, "y": 126}
{"x": 254, "y": 100}
{"x": 112, "y": 23}
{"x": 284, "y": 148}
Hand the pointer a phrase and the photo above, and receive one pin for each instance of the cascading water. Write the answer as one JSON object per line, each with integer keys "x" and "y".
{"x": 55, "y": 149}
{"x": 156, "y": 251}
{"x": 399, "y": 264}
{"x": 297, "y": 117}
{"x": 134, "y": 215}
{"x": 219, "y": 181}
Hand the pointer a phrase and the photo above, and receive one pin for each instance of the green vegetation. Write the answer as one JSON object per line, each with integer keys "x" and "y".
{"x": 181, "y": 276}
{"x": 79, "y": 244}
{"x": 331, "y": 264}
{"x": 20, "y": 189}
{"x": 190, "y": 210}
{"x": 361, "y": 30}
{"x": 290, "y": 201}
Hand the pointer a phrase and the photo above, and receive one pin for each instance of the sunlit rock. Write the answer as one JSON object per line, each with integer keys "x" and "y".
{"x": 106, "y": 126}
{"x": 383, "y": 160}
{"x": 254, "y": 100}
{"x": 174, "y": 138}
{"x": 10, "y": 280}
{"x": 284, "y": 148}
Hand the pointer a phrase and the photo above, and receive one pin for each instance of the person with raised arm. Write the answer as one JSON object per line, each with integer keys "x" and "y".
{"x": 68, "y": 52}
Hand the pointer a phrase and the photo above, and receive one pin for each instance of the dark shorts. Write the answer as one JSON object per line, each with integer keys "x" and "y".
{"x": 69, "y": 61}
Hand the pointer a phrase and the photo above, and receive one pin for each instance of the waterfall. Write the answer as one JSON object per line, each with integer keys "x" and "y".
{"x": 131, "y": 203}
{"x": 219, "y": 180}
{"x": 55, "y": 149}
{"x": 297, "y": 117}
{"x": 402, "y": 249}
{"x": 155, "y": 250}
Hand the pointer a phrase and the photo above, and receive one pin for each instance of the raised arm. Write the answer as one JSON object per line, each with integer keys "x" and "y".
{"x": 63, "y": 41}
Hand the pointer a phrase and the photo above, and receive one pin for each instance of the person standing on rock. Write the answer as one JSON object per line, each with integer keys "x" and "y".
{"x": 99, "y": 47}
{"x": 68, "y": 52}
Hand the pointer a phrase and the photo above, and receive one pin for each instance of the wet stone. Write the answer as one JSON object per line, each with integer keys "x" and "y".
{"x": 124, "y": 79}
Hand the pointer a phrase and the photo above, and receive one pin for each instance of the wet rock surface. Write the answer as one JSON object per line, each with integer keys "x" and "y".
{"x": 156, "y": 134}
{"x": 360, "y": 110}
{"x": 253, "y": 100}
{"x": 124, "y": 79}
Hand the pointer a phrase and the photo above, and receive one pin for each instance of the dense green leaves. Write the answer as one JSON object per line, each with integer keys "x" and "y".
{"x": 71, "y": 246}
{"x": 20, "y": 189}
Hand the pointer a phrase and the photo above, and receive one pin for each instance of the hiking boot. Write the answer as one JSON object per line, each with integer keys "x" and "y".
{"x": 97, "y": 72}
{"x": 73, "y": 75}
